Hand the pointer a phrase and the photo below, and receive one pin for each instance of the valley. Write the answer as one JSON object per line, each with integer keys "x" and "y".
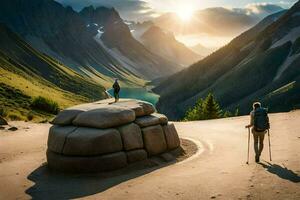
{"x": 261, "y": 64}
{"x": 76, "y": 59}
{"x": 188, "y": 74}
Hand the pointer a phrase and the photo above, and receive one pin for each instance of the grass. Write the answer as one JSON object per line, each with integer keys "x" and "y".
{"x": 3, "y": 112}
{"x": 45, "y": 105}
{"x": 283, "y": 89}
{"x": 34, "y": 86}
{"x": 19, "y": 88}
{"x": 17, "y": 92}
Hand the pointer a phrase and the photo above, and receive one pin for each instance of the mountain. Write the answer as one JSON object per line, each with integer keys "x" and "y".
{"x": 202, "y": 50}
{"x": 260, "y": 64}
{"x": 164, "y": 44}
{"x": 26, "y": 72}
{"x": 62, "y": 34}
{"x": 131, "y": 53}
{"x": 217, "y": 21}
{"x": 65, "y": 35}
{"x": 139, "y": 28}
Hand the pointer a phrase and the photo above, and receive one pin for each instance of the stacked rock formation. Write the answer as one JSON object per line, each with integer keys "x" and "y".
{"x": 102, "y": 136}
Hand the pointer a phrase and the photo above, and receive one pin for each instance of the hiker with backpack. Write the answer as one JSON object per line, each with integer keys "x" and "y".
{"x": 259, "y": 121}
{"x": 117, "y": 89}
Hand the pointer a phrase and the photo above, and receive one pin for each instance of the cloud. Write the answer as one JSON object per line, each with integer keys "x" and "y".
{"x": 128, "y": 9}
{"x": 218, "y": 21}
{"x": 262, "y": 9}
{"x": 140, "y": 10}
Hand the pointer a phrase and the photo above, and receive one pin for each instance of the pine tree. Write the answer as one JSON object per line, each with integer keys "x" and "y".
{"x": 211, "y": 109}
{"x": 237, "y": 111}
{"x": 205, "y": 109}
{"x": 227, "y": 114}
{"x": 195, "y": 113}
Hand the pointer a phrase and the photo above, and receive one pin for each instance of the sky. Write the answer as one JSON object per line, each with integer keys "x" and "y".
{"x": 234, "y": 16}
{"x": 140, "y": 10}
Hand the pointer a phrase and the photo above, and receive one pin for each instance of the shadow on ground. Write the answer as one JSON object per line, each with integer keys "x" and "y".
{"x": 281, "y": 172}
{"x": 55, "y": 185}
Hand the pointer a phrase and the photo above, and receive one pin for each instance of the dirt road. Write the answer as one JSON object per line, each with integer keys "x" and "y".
{"x": 218, "y": 171}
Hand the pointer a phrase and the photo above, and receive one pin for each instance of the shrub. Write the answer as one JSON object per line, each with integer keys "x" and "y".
{"x": 45, "y": 105}
{"x": 43, "y": 121}
{"x": 30, "y": 116}
{"x": 3, "y": 112}
{"x": 14, "y": 117}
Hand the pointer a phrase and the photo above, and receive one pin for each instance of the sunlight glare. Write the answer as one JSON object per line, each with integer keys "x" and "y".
{"x": 185, "y": 13}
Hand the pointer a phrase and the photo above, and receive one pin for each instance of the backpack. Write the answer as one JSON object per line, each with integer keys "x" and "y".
{"x": 261, "y": 119}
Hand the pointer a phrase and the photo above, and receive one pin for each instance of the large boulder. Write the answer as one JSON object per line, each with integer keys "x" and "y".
{"x": 57, "y": 137}
{"x": 3, "y": 121}
{"x": 171, "y": 135}
{"x": 151, "y": 120}
{"x": 154, "y": 140}
{"x": 148, "y": 108}
{"x": 86, "y": 164}
{"x": 66, "y": 117}
{"x": 105, "y": 135}
{"x": 141, "y": 108}
{"x": 105, "y": 117}
{"x": 163, "y": 120}
{"x": 91, "y": 141}
{"x": 136, "y": 155}
{"x": 131, "y": 136}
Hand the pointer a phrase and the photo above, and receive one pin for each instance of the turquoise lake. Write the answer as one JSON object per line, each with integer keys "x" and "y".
{"x": 137, "y": 93}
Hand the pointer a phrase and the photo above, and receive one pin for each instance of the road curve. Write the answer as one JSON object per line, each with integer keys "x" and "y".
{"x": 217, "y": 171}
{"x": 220, "y": 171}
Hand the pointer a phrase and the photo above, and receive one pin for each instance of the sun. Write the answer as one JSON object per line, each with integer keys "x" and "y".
{"x": 185, "y": 13}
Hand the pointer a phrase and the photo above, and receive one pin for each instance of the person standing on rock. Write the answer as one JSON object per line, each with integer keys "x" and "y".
{"x": 259, "y": 121}
{"x": 117, "y": 89}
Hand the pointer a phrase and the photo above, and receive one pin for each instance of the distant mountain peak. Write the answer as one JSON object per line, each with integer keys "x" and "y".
{"x": 268, "y": 55}
{"x": 164, "y": 43}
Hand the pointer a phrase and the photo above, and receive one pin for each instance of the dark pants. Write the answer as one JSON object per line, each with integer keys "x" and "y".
{"x": 116, "y": 95}
{"x": 258, "y": 142}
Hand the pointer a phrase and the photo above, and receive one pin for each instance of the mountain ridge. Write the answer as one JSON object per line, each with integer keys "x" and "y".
{"x": 165, "y": 44}
{"x": 231, "y": 71}
{"x": 62, "y": 33}
{"x": 27, "y": 71}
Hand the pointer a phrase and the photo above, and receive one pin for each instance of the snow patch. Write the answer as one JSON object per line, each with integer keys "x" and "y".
{"x": 95, "y": 24}
{"x": 123, "y": 60}
{"x": 291, "y": 36}
{"x": 127, "y": 23}
{"x": 100, "y": 33}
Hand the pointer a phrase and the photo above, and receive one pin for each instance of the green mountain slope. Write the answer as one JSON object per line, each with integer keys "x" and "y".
{"x": 27, "y": 73}
{"x": 72, "y": 38}
{"x": 260, "y": 64}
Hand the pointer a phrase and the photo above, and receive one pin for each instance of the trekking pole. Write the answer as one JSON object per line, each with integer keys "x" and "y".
{"x": 269, "y": 145}
{"x": 248, "y": 146}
